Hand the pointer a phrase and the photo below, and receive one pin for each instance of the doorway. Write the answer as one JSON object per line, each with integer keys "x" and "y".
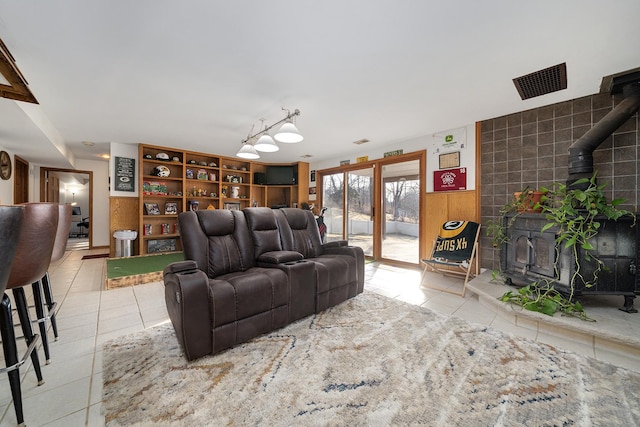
{"x": 377, "y": 206}
{"x": 401, "y": 206}
{"x": 74, "y": 187}
{"x": 21, "y": 181}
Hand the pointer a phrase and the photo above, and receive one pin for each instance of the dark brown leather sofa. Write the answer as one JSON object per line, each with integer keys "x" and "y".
{"x": 240, "y": 279}
{"x": 339, "y": 268}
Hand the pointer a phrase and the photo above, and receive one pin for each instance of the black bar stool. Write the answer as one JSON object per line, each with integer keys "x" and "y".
{"x": 11, "y": 218}
{"x": 32, "y": 258}
{"x": 43, "y": 286}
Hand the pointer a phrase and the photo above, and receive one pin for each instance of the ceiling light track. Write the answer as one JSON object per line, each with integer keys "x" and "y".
{"x": 287, "y": 134}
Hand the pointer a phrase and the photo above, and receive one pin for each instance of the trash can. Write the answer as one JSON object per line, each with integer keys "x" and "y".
{"x": 124, "y": 242}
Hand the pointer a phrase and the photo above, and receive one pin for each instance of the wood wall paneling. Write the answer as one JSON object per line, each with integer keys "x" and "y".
{"x": 124, "y": 216}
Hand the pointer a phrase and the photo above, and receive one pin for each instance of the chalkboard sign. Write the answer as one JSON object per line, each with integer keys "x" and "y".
{"x": 125, "y": 174}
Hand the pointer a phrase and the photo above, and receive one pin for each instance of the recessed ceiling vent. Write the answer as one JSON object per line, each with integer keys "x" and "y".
{"x": 361, "y": 141}
{"x": 542, "y": 82}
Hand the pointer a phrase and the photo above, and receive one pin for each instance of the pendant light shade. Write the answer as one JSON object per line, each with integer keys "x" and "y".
{"x": 266, "y": 144}
{"x": 248, "y": 152}
{"x": 288, "y": 134}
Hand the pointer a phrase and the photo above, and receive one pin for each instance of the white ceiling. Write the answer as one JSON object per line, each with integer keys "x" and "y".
{"x": 198, "y": 74}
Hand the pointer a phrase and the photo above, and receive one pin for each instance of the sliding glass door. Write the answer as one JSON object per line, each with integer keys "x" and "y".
{"x": 360, "y": 209}
{"x": 376, "y": 205}
{"x": 333, "y": 201}
{"x": 401, "y": 207}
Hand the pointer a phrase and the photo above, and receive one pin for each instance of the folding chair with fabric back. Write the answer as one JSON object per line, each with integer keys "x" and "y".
{"x": 454, "y": 253}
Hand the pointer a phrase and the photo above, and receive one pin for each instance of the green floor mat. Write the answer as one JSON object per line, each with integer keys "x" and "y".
{"x": 120, "y": 267}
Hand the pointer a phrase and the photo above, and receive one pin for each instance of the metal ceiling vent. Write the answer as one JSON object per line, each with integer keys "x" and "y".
{"x": 542, "y": 82}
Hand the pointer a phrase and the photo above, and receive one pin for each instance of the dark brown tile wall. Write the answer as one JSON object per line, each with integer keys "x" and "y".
{"x": 530, "y": 149}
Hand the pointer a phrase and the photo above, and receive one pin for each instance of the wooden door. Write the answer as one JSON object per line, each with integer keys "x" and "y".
{"x": 21, "y": 181}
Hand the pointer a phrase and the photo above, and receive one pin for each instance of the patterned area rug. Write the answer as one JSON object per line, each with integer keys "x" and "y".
{"x": 370, "y": 361}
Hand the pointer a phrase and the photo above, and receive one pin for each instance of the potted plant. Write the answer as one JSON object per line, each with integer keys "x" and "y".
{"x": 577, "y": 211}
{"x": 529, "y": 200}
{"x": 523, "y": 201}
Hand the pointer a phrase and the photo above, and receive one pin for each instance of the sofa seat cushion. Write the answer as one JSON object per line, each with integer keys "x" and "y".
{"x": 240, "y": 295}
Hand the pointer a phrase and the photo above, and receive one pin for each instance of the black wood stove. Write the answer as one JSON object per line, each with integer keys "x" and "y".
{"x": 531, "y": 255}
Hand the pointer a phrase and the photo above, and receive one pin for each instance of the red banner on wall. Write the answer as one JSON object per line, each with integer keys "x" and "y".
{"x": 450, "y": 179}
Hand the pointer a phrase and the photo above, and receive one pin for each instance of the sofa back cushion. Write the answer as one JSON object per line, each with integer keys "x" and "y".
{"x": 263, "y": 229}
{"x": 217, "y": 240}
{"x": 299, "y": 231}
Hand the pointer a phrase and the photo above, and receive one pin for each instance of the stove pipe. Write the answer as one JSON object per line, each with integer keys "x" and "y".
{"x": 581, "y": 151}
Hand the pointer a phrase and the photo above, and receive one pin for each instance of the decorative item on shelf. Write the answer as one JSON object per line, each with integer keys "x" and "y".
{"x": 161, "y": 170}
{"x": 165, "y": 228}
{"x": 176, "y": 159}
{"x": 232, "y": 206}
{"x": 213, "y": 164}
{"x": 170, "y": 208}
{"x": 202, "y": 174}
{"x": 211, "y": 207}
{"x": 199, "y": 192}
{"x": 162, "y": 156}
{"x": 154, "y": 188}
{"x": 192, "y": 162}
{"x": 288, "y": 133}
{"x": 189, "y": 174}
{"x": 212, "y": 176}
{"x": 213, "y": 194}
{"x": 161, "y": 245}
{"x": 151, "y": 209}
{"x": 147, "y": 229}
{"x": 193, "y": 205}
{"x": 234, "y": 192}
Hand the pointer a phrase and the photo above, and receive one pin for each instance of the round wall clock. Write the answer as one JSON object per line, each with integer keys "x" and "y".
{"x": 5, "y": 165}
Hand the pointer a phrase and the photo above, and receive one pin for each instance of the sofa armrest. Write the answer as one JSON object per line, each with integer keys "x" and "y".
{"x": 279, "y": 257}
{"x": 187, "y": 298}
{"x": 355, "y": 252}
{"x": 335, "y": 244}
{"x": 180, "y": 266}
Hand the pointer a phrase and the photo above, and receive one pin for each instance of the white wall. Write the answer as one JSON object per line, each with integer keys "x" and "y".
{"x": 431, "y": 143}
{"x": 100, "y": 215}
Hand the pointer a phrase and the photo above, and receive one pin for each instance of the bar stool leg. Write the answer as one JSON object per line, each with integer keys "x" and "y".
{"x": 42, "y": 318}
{"x": 10, "y": 350}
{"x": 25, "y": 322}
{"x": 48, "y": 297}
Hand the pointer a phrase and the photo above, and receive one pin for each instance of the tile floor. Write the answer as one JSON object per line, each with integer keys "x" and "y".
{"x": 88, "y": 316}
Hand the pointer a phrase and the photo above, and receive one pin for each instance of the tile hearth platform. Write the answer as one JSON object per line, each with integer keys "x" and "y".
{"x": 613, "y": 337}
